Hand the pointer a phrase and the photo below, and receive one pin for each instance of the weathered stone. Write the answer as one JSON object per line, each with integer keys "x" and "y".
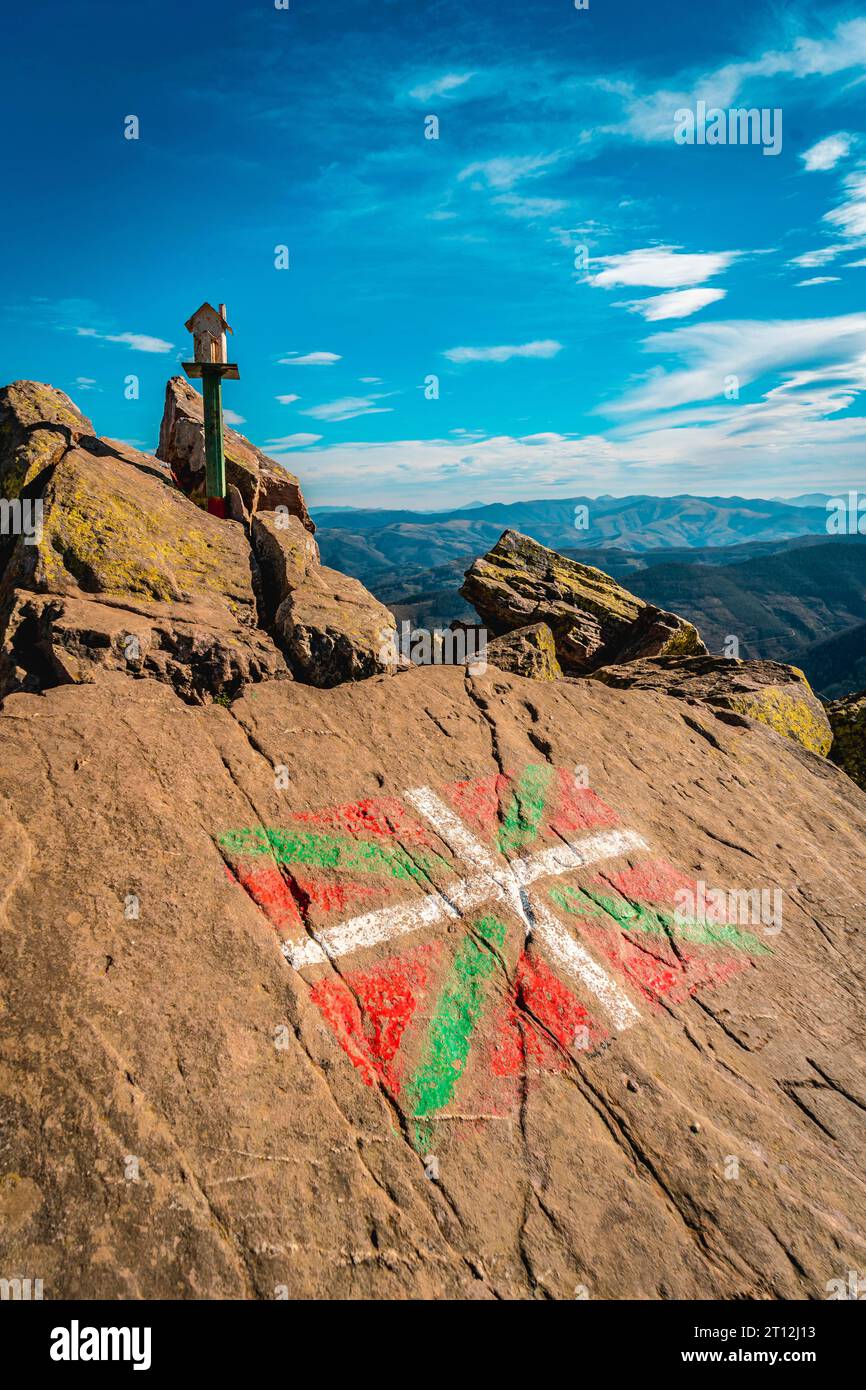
{"x": 574, "y": 1156}
{"x": 592, "y": 618}
{"x": 333, "y": 629}
{"x": 262, "y": 483}
{"x": 768, "y": 691}
{"x": 286, "y": 553}
{"x": 38, "y": 423}
{"x": 848, "y": 722}
{"x": 124, "y": 554}
{"x": 528, "y": 651}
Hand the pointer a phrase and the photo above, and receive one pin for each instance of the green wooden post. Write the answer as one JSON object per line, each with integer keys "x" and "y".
{"x": 208, "y": 327}
{"x": 214, "y": 447}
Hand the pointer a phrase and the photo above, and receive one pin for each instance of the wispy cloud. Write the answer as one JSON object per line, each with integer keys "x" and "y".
{"x": 827, "y": 152}
{"x": 310, "y": 359}
{"x": 348, "y": 408}
{"x": 504, "y": 172}
{"x": 138, "y": 342}
{"x": 660, "y": 267}
{"x": 546, "y": 347}
{"x": 287, "y": 400}
{"x": 676, "y": 304}
{"x": 810, "y": 259}
{"x": 850, "y": 215}
{"x": 818, "y": 280}
{"x": 292, "y": 441}
{"x": 231, "y": 417}
{"x": 440, "y": 86}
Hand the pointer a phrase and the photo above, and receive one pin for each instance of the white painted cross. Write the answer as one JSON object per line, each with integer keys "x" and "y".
{"x": 491, "y": 881}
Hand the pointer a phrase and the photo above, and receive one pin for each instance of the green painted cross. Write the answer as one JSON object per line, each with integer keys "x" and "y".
{"x": 209, "y": 327}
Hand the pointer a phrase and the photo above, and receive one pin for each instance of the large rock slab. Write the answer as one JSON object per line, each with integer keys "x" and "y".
{"x": 196, "y": 1104}
{"x": 774, "y": 694}
{"x": 263, "y": 483}
{"x": 332, "y": 629}
{"x": 528, "y": 651}
{"x": 848, "y": 722}
{"x": 594, "y": 620}
{"x": 130, "y": 575}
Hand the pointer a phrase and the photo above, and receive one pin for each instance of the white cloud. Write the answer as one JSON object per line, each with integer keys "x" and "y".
{"x": 505, "y": 172}
{"x": 850, "y": 216}
{"x": 818, "y": 280}
{"x": 348, "y": 408}
{"x": 286, "y": 400}
{"x": 231, "y": 417}
{"x": 138, "y": 342}
{"x": 370, "y": 380}
{"x": 292, "y": 441}
{"x": 746, "y": 349}
{"x": 676, "y": 304}
{"x": 528, "y": 209}
{"x": 310, "y": 359}
{"x": 855, "y": 265}
{"x": 827, "y": 153}
{"x": 546, "y": 347}
{"x": 440, "y": 86}
{"x": 660, "y": 267}
{"x": 810, "y": 259}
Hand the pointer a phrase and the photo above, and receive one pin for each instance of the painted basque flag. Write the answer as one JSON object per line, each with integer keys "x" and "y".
{"x": 458, "y": 940}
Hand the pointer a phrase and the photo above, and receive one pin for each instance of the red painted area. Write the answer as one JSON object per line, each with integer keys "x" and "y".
{"x": 385, "y": 816}
{"x": 653, "y": 881}
{"x": 578, "y": 808}
{"x": 270, "y": 891}
{"x": 337, "y": 897}
{"x": 370, "y": 1010}
{"x": 477, "y": 801}
{"x": 541, "y": 1013}
{"x": 217, "y": 506}
{"x": 662, "y": 973}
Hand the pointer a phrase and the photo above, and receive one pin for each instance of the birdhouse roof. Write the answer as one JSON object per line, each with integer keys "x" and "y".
{"x": 207, "y": 317}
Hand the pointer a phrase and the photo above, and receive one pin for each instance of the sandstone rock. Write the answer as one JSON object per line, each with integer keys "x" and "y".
{"x": 593, "y": 619}
{"x": 287, "y": 1120}
{"x": 130, "y": 575}
{"x": 262, "y": 482}
{"x": 774, "y": 694}
{"x": 38, "y": 423}
{"x": 848, "y": 721}
{"x": 528, "y": 651}
{"x": 286, "y": 554}
{"x": 332, "y": 629}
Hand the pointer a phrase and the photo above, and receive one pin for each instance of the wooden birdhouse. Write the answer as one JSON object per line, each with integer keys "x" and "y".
{"x": 208, "y": 328}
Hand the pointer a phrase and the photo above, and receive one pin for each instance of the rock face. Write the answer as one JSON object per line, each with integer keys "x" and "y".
{"x": 775, "y": 694}
{"x": 308, "y": 1035}
{"x": 848, "y": 723}
{"x": 130, "y": 575}
{"x": 38, "y": 424}
{"x": 261, "y": 482}
{"x": 528, "y": 651}
{"x": 593, "y": 619}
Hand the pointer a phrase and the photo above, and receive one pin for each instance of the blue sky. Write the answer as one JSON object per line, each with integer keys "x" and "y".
{"x": 455, "y": 257}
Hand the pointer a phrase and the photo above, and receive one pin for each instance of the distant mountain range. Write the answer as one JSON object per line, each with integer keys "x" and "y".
{"x": 763, "y": 570}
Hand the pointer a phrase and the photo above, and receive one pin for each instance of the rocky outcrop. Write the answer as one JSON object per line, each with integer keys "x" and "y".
{"x": 38, "y": 424}
{"x": 129, "y": 575}
{"x": 848, "y": 722}
{"x": 214, "y": 1086}
{"x": 263, "y": 484}
{"x": 594, "y": 620}
{"x": 528, "y": 651}
{"x": 768, "y": 691}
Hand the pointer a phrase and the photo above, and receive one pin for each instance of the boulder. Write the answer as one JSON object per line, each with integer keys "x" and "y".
{"x": 130, "y": 575}
{"x": 286, "y": 553}
{"x": 263, "y": 483}
{"x": 592, "y": 617}
{"x": 38, "y": 424}
{"x": 528, "y": 651}
{"x": 848, "y": 722}
{"x": 768, "y": 691}
{"x": 332, "y": 629}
